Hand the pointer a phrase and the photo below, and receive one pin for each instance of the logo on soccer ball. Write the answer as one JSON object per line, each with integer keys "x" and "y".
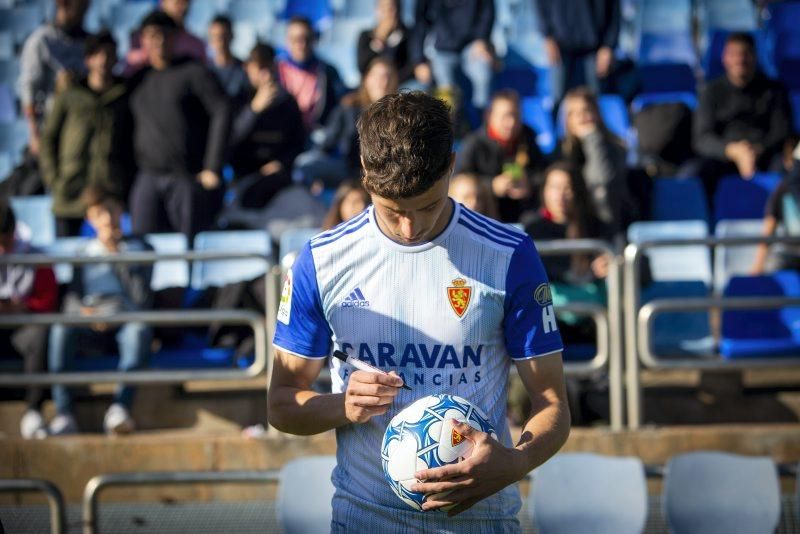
{"x": 459, "y": 295}
{"x": 455, "y": 438}
{"x": 543, "y": 295}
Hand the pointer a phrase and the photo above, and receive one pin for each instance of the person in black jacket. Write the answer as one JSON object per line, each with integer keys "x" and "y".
{"x": 505, "y": 155}
{"x": 181, "y": 122}
{"x": 580, "y": 37}
{"x": 267, "y": 135}
{"x": 461, "y": 31}
{"x": 742, "y": 119}
{"x": 103, "y": 289}
{"x": 389, "y": 38}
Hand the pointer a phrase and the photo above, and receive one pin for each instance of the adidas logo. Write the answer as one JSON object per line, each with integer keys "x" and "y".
{"x": 356, "y": 299}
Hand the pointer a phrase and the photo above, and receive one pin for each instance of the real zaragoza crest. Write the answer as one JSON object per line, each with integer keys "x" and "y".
{"x": 459, "y": 295}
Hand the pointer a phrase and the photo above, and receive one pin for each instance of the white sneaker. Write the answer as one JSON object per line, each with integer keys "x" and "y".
{"x": 32, "y": 425}
{"x": 118, "y": 420}
{"x": 63, "y": 424}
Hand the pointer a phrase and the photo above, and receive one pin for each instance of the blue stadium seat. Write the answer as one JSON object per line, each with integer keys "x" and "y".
{"x": 304, "y": 495}
{"x": 782, "y": 16}
{"x": 536, "y": 114}
{"x": 736, "y": 198}
{"x": 169, "y": 273}
{"x": 675, "y": 263}
{"x": 666, "y": 16}
{"x": 614, "y": 113}
{"x": 679, "y": 199}
{"x": 220, "y": 272}
{"x": 680, "y": 333}
{"x": 794, "y": 98}
{"x": 36, "y": 213}
{"x": 735, "y": 15}
{"x": 716, "y": 493}
{"x": 570, "y": 494}
{"x": 318, "y": 11}
{"x": 731, "y": 261}
{"x": 789, "y": 73}
{"x": 64, "y": 246}
{"x": 525, "y": 79}
{"x": 672, "y": 47}
{"x": 644, "y": 100}
{"x": 667, "y": 78}
{"x": 762, "y": 333}
{"x": 359, "y": 9}
{"x": 292, "y": 241}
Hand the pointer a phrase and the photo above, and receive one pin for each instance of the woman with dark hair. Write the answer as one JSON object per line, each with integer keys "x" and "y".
{"x": 599, "y": 154}
{"x": 388, "y": 39}
{"x": 336, "y": 154}
{"x": 350, "y": 200}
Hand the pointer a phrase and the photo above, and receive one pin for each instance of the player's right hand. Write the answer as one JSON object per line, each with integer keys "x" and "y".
{"x": 370, "y": 394}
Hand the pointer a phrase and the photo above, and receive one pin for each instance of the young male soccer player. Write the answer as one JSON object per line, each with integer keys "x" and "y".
{"x": 442, "y": 297}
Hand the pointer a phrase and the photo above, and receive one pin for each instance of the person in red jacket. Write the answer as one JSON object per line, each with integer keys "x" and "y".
{"x": 25, "y": 289}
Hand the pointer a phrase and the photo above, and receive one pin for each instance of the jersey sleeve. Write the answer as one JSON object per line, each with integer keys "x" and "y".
{"x": 302, "y": 328}
{"x": 530, "y": 320}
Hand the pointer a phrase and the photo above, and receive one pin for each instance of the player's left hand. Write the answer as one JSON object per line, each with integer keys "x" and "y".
{"x": 490, "y": 468}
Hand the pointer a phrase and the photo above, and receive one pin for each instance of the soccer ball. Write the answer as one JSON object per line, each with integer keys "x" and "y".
{"x": 421, "y": 436}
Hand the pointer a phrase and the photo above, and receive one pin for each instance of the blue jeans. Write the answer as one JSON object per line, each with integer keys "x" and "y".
{"x": 573, "y": 71}
{"x": 446, "y": 66}
{"x": 133, "y": 341}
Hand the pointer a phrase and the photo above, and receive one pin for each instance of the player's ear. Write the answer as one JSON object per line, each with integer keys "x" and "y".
{"x": 361, "y": 158}
{"x": 452, "y": 163}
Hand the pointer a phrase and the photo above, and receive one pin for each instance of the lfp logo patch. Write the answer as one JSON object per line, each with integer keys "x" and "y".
{"x": 459, "y": 295}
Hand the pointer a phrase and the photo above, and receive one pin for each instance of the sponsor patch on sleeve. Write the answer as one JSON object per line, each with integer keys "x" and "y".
{"x": 285, "y": 309}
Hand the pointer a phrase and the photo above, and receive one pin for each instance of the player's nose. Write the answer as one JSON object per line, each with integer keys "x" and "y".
{"x": 409, "y": 227}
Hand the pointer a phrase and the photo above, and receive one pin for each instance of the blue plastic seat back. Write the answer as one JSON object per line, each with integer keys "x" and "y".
{"x": 736, "y": 198}
{"x": 716, "y": 493}
{"x": 646, "y": 100}
{"x": 172, "y": 273}
{"x": 305, "y": 494}
{"x": 293, "y": 241}
{"x": 525, "y": 79}
{"x": 666, "y": 16}
{"x": 794, "y": 98}
{"x": 734, "y": 15}
{"x": 537, "y": 115}
{"x": 788, "y": 72}
{"x": 671, "y": 47}
{"x": 732, "y": 261}
{"x": 319, "y": 12}
{"x": 217, "y": 273}
{"x": 679, "y": 199}
{"x": 570, "y": 494}
{"x": 65, "y": 246}
{"x": 675, "y": 263}
{"x": 763, "y": 324}
{"x": 36, "y": 213}
{"x": 680, "y": 333}
{"x": 667, "y": 78}
{"x": 782, "y": 16}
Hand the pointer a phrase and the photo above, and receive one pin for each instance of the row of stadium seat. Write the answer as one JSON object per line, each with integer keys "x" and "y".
{"x": 703, "y": 492}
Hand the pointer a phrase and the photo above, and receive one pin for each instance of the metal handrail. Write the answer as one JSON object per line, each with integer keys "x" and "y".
{"x": 637, "y": 344}
{"x": 54, "y": 497}
{"x": 262, "y": 326}
{"x": 562, "y": 247}
{"x": 94, "y": 487}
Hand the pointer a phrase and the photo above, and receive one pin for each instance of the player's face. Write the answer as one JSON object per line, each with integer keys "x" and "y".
{"x": 414, "y": 220}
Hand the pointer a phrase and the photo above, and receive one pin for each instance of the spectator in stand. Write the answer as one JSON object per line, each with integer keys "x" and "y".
{"x": 185, "y": 44}
{"x": 473, "y": 193}
{"x": 741, "y": 121}
{"x": 181, "y": 123}
{"x": 103, "y": 289}
{"x": 87, "y": 138}
{"x": 389, "y": 39}
{"x": 599, "y": 154}
{"x": 315, "y": 85}
{"x": 267, "y": 136}
{"x": 461, "y": 31}
{"x": 25, "y": 289}
{"x": 504, "y": 154}
{"x": 580, "y": 37}
{"x": 50, "y": 54}
{"x": 336, "y": 155}
{"x": 229, "y": 70}
{"x": 350, "y": 200}
{"x": 783, "y": 208}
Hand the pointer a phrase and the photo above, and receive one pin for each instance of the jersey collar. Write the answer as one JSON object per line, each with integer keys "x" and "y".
{"x": 439, "y": 239}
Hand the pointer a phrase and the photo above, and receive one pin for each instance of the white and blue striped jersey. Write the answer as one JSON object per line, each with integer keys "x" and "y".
{"x": 449, "y": 316}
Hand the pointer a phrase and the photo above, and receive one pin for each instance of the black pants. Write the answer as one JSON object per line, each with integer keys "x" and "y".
{"x": 68, "y": 226}
{"x": 254, "y": 191}
{"x": 29, "y": 343}
{"x": 172, "y": 203}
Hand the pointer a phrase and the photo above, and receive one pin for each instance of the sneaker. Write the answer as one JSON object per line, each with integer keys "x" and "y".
{"x": 63, "y": 424}
{"x": 118, "y": 420}
{"x": 32, "y": 425}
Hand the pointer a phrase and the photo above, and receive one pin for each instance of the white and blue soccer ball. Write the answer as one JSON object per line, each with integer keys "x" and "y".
{"x": 422, "y": 436}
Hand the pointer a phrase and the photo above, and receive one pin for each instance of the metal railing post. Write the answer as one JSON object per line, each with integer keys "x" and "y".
{"x": 631, "y": 295}
{"x": 58, "y": 515}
